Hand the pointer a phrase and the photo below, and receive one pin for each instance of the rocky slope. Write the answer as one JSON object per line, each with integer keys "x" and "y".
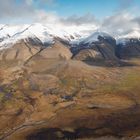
{"x": 128, "y": 46}
{"x": 21, "y": 51}
{"x": 68, "y": 99}
{"x": 47, "y": 92}
{"x": 130, "y": 50}
{"x": 97, "y": 47}
{"x": 85, "y": 43}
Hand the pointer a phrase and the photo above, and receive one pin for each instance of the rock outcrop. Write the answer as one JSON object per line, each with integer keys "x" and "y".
{"x": 21, "y": 51}
{"x": 102, "y": 49}
{"x": 128, "y": 49}
{"x": 56, "y": 51}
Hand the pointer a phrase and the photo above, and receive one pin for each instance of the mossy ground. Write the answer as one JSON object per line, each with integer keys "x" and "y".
{"x": 84, "y": 93}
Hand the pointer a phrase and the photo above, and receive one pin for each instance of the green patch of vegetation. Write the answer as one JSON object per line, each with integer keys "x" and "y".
{"x": 130, "y": 83}
{"x": 15, "y": 84}
{"x": 14, "y": 103}
{"x": 1, "y": 96}
{"x": 69, "y": 82}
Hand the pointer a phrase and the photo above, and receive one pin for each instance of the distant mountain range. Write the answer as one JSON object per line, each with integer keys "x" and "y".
{"x": 68, "y": 82}
{"x": 85, "y": 43}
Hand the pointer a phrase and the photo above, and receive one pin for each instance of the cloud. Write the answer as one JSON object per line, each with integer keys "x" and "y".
{"x": 29, "y": 2}
{"x": 74, "y": 20}
{"x": 78, "y": 20}
{"x": 41, "y": 2}
{"x": 137, "y": 21}
{"x": 11, "y": 9}
{"x": 125, "y": 4}
{"x": 20, "y": 8}
{"x": 46, "y": 1}
{"x": 120, "y": 23}
{"x": 46, "y": 17}
{"x": 26, "y": 10}
{"x": 52, "y": 17}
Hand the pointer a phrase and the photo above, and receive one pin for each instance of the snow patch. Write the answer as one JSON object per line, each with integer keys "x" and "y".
{"x": 45, "y": 33}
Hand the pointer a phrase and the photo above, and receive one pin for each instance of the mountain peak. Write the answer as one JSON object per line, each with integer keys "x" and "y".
{"x": 46, "y": 33}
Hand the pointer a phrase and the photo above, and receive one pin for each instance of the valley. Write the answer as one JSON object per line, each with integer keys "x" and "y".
{"x": 68, "y": 98}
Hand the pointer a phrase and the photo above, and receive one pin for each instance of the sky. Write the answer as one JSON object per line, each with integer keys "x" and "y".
{"x": 99, "y": 8}
{"x": 108, "y": 14}
{"x": 27, "y": 10}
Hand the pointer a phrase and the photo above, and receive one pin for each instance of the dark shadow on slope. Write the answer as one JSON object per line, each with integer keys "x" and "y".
{"x": 116, "y": 125}
{"x": 58, "y": 134}
{"x": 109, "y": 63}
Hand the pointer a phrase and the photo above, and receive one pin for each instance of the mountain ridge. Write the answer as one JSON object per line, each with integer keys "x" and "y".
{"x": 77, "y": 39}
{"x": 10, "y": 34}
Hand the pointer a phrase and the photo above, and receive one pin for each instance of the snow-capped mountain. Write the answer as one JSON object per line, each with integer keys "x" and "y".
{"x": 11, "y": 34}
{"x": 7, "y": 31}
{"x": 46, "y": 33}
{"x": 133, "y": 37}
{"x": 85, "y": 42}
{"x": 96, "y": 36}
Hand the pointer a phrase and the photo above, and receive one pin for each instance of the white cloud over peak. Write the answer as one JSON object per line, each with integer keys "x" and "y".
{"x": 120, "y": 22}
